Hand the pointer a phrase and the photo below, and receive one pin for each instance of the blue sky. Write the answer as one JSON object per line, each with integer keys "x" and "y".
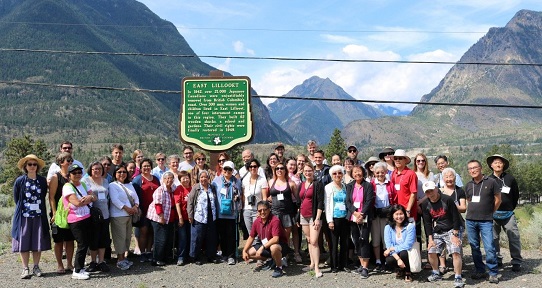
{"x": 369, "y": 30}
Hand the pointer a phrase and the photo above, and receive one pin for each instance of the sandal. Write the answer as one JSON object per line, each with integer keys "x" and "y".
{"x": 408, "y": 277}
{"x": 442, "y": 270}
{"x": 60, "y": 271}
{"x": 427, "y": 266}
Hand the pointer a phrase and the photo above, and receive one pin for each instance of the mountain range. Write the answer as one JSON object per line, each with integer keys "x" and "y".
{"x": 97, "y": 115}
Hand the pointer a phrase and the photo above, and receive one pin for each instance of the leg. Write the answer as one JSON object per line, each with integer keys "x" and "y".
{"x": 210, "y": 239}
{"x": 25, "y": 258}
{"x": 276, "y": 254}
{"x": 333, "y": 263}
{"x": 486, "y": 231}
{"x": 36, "y": 257}
{"x": 344, "y": 238}
{"x": 458, "y": 263}
{"x": 143, "y": 238}
{"x": 497, "y": 224}
{"x": 159, "y": 241}
{"x": 473, "y": 233}
{"x": 81, "y": 233}
{"x": 70, "y": 249}
{"x": 58, "y": 247}
{"x": 512, "y": 231}
{"x": 195, "y": 240}
{"x": 314, "y": 248}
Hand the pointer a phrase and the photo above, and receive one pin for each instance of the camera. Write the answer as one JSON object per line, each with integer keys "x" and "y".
{"x": 252, "y": 200}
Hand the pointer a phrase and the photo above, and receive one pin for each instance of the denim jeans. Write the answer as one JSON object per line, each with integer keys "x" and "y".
{"x": 163, "y": 240}
{"x": 483, "y": 229}
{"x": 512, "y": 232}
{"x": 203, "y": 233}
{"x": 183, "y": 233}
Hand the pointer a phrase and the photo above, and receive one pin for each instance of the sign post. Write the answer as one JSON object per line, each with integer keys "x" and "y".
{"x": 216, "y": 112}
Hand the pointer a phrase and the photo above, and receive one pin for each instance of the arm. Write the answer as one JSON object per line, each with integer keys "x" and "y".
{"x": 247, "y": 246}
{"x": 368, "y": 199}
{"x": 515, "y": 192}
{"x": 411, "y": 201}
{"x": 190, "y": 206}
{"x": 53, "y": 185}
{"x": 328, "y": 206}
{"x": 428, "y": 223}
{"x": 497, "y": 202}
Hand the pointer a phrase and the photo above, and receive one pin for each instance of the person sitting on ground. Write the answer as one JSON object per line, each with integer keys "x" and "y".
{"x": 273, "y": 241}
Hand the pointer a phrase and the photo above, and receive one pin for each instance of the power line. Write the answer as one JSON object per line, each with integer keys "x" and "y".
{"x": 277, "y": 97}
{"x": 244, "y": 29}
{"x": 46, "y": 51}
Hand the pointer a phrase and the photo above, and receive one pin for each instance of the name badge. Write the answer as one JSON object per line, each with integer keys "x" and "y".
{"x": 505, "y": 190}
{"x": 264, "y": 241}
{"x": 475, "y": 199}
{"x": 101, "y": 195}
{"x": 34, "y": 207}
{"x": 357, "y": 205}
{"x": 223, "y": 191}
{"x": 397, "y": 187}
{"x": 280, "y": 197}
{"x": 341, "y": 206}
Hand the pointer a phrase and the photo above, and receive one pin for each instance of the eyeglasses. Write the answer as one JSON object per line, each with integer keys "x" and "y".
{"x": 352, "y": 151}
{"x": 200, "y": 159}
{"x": 253, "y": 166}
{"x": 473, "y": 168}
{"x": 279, "y": 168}
{"x": 76, "y": 172}
{"x": 420, "y": 160}
{"x": 160, "y": 159}
{"x": 262, "y": 210}
{"x": 122, "y": 172}
{"x": 31, "y": 164}
{"x": 67, "y": 148}
{"x": 70, "y": 160}
{"x": 221, "y": 160}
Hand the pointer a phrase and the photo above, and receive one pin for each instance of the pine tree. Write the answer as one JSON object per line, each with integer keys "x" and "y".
{"x": 336, "y": 146}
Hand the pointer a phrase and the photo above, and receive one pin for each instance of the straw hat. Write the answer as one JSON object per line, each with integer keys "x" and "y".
{"x": 401, "y": 153}
{"x": 23, "y": 161}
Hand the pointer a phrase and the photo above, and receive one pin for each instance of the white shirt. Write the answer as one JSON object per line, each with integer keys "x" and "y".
{"x": 55, "y": 168}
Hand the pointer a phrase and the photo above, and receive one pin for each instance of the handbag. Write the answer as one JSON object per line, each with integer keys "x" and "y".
{"x": 61, "y": 215}
{"x": 136, "y": 217}
{"x": 415, "y": 258}
{"x": 95, "y": 213}
{"x": 226, "y": 205}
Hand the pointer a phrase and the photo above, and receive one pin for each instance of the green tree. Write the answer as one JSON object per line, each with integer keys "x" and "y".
{"x": 16, "y": 149}
{"x": 336, "y": 145}
{"x": 529, "y": 177}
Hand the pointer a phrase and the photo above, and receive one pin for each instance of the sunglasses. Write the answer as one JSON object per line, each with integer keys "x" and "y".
{"x": 280, "y": 168}
{"x": 31, "y": 164}
{"x": 389, "y": 153}
{"x": 352, "y": 151}
{"x": 253, "y": 166}
{"x": 262, "y": 210}
{"x": 77, "y": 172}
{"x": 420, "y": 161}
{"x": 399, "y": 158}
{"x": 221, "y": 160}
{"x": 337, "y": 173}
{"x": 160, "y": 159}
{"x": 122, "y": 172}
{"x": 228, "y": 169}
{"x": 200, "y": 159}
{"x": 106, "y": 164}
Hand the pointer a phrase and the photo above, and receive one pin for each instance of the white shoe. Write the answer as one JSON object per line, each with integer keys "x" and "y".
{"x": 80, "y": 276}
{"x": 284, "y": 262}
{"x": 82, "y": 271}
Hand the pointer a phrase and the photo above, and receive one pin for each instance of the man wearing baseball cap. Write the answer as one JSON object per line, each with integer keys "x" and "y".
{"x": 504, "y": 217}
{"x": 443, "y": 228}
{"x": 352, "y": 152}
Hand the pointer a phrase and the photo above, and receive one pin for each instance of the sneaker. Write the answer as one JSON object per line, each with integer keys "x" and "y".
{"x": 357, "y": 270}
{"x": 26, "y": 273}
{"x": 458, "y": 283}
{"x": 130, "y": 263}
{"x": 80, "y": 276}
{"x": 478, "y": 275}
{"x": 434, "y": 277}
{"x": 180, "y": 262}
{"x": 122, "y": 265}
{"x": 277, "y": 272}
{"x": 284, "y": 262}
{"x": 103, "y": 267}
{"x": 36, "y": 271}
{"x": 231, "y": 261}
{"x": 379, "y": 268}
{"x": 83, "y": 271}
{"x": 92, "y": 267}
{"x": 493, "y": 279}
{"x": 268, "y": 265}
{"x": 516, "y": 267}
{"x": 143, "y": 258}
{"x": 364, "y": 273}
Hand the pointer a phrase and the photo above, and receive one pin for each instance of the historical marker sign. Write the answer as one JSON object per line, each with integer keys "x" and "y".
{"x": 216, "y": 112}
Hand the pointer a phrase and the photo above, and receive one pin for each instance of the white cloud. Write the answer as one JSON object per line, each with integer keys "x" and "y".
{"x": 338, "y": 39}
{"x": 224, "y": 66}
{"x": 239, "y": 47}
{"x": 370, "y": 81}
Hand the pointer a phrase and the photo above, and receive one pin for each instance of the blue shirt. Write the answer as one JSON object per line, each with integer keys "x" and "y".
{"x": 200, "y": 213}
{"x": 157, "y": 172}
{"x": 408, "y": 237}
{"x": 227, "y": 190}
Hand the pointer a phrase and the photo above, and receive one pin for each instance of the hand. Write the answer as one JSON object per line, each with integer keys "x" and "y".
{"x": 316, "y": 223}
{"x": 400, "y": 263}
{"x": 387, "y": 252}
{"x": 245, "y": 256}
{"x": 53, "y": 219}
{"x": 181, "y": 223}
{"x": 162, "y": 220}
{"x": 430, "y": 244}
{"x": 331, "y": 226}
{"x": 456, "y": 241}
{"x": 191, "y": 220}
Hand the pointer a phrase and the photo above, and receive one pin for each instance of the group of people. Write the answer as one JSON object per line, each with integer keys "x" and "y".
{"x": 376, "y": 208}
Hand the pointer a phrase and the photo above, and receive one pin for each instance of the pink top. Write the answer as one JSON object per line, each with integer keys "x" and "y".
{"x": 75, "y": 214}
{"x": 357, "y": 199}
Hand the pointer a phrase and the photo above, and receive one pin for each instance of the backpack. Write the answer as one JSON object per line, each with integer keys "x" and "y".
{"x": 61, "y": 215}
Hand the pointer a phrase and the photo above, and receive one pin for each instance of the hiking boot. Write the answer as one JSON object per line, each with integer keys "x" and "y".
{"x": 36, "y": 271}
{"x": 493, "y": 279}
{"x": 434, "y": 277}
{"x": 26, "y": 273}
{"x": 277, "y": 272}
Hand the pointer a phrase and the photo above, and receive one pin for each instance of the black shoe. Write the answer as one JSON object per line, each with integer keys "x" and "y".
{"x": 364, "y": 273}
{"x": 516, "y": 267}
{"x": 334, "y": 270}
{"x": 92, "y": 267}
{"x": 500, "y": 265}
{"x": 479, "y": 275}
{"x": 103, "y": 267}
{"x": 198, "y": 262}
{"x": 158, "y": 263}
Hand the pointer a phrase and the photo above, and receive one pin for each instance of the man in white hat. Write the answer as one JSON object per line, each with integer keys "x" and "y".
{"x": 504, "y": 217}
{"x": 443, "y": 228}
{"x": 406, "y": 183}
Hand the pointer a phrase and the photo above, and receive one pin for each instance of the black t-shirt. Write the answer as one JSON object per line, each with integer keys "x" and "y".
{"x": 441, "y": 216}
{"x": 486, "y": 190}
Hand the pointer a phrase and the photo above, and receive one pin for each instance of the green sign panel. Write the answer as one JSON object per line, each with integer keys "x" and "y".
{"x": 216, "y": 112}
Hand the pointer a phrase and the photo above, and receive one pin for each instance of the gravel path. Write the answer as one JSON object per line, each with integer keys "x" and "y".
{"x": 242, "y": 275}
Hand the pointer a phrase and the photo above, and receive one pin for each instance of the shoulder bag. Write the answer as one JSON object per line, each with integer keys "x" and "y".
{"x": 136, "y": 216}
{"x": 95, "y": 213}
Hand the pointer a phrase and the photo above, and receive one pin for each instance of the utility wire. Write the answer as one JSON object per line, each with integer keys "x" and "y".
{"x": 244, "y": 29}
{"x": 277, "y": 97}
{"x": 260, "y": 58}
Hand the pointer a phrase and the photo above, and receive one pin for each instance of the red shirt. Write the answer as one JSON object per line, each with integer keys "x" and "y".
{"x": 306, "y": 200}
{"x": 407, "y": 182}
{"x": 181, "y": 196}
{"x": 270, "y": 229}
{"x": 148, "y": 188}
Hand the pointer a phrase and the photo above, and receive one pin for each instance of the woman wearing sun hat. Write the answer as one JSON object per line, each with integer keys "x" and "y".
{"x": 369, "y": 168}
{"x": 30, "y": 229}
{"x": 386, "y": 155}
